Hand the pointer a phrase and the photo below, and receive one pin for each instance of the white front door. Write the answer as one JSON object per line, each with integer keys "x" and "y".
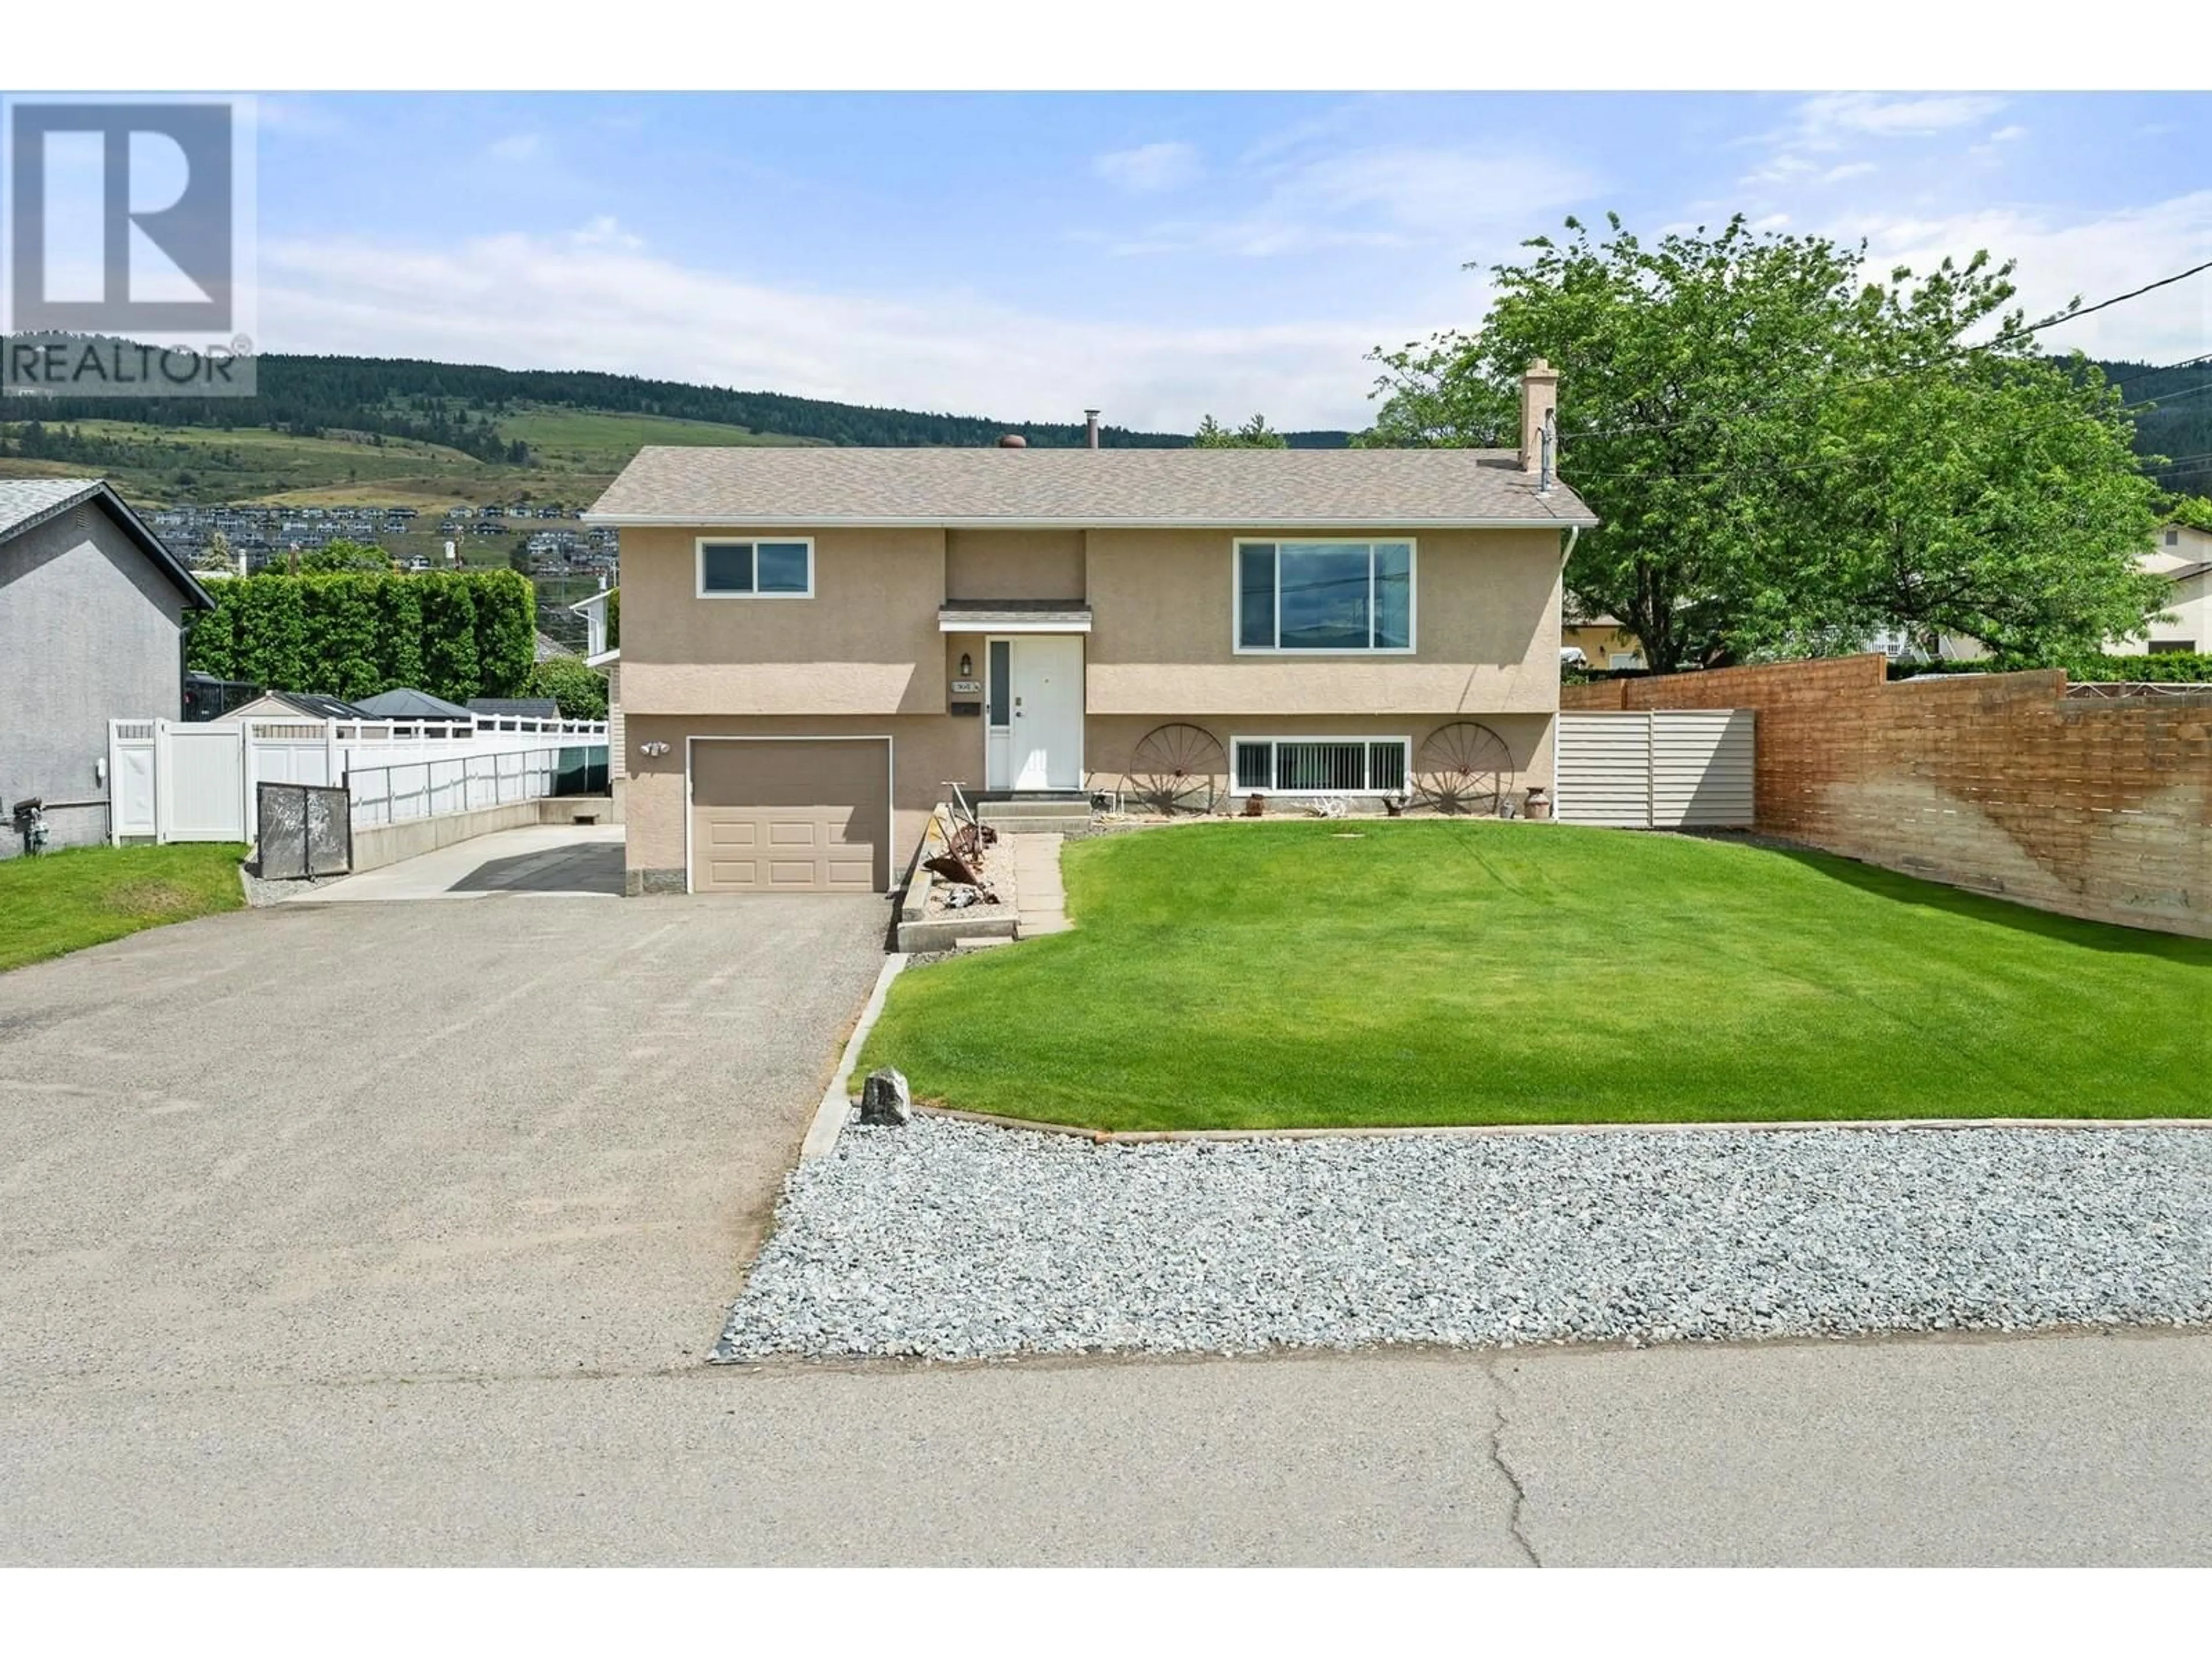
{"x": 1037, "y": 712}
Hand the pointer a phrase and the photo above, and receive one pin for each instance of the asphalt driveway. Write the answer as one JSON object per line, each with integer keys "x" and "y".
{"x": 447, "y": 1139}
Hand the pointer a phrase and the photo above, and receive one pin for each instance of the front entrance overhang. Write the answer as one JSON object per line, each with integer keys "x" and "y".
{"x": 1013, "y": 616}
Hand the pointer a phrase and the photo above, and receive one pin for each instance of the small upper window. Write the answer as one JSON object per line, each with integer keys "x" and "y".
{"x": 2173, "y": 538}
{"x": 755, "y": 569}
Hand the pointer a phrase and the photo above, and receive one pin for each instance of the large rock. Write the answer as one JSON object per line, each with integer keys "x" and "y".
{"x": 886, "y": 1099}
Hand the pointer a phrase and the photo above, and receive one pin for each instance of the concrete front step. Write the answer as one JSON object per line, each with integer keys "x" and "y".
{"x": 1002, "y": 810}
{"x": 1058, "y": 826}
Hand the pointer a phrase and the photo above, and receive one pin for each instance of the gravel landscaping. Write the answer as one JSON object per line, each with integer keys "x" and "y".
{"x": 955, "y": 1241}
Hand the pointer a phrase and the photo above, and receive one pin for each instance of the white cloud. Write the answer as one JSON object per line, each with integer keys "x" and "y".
{"x": 2008, "y": 134}
{"x": 1149, "y": 168}
{"x": 2094, "y": 258}
{"x": 1380, "y": 197}
{"x": 1892, "y": 117}
{"x": 515, "y": 147}
{"x": 1824, "y": 128}
{"x": 596, "y": 298}
{"x": 604, "y": 231}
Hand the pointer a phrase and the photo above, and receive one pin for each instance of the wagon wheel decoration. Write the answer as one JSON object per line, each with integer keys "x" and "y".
{"x": 1465, "y": 769}
{"x": 1176, "y": 770}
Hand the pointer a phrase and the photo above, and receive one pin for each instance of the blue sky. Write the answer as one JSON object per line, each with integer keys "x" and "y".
{"x": 1160, "y": 255}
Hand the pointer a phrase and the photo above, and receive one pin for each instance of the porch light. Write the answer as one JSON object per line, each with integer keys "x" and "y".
{"x": 967, "y": 666}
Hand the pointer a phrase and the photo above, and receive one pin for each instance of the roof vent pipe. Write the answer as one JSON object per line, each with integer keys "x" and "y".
{"x": 1091, "y": 427}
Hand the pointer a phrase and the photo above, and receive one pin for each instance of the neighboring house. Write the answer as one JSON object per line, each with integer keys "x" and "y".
{"x": 532, "y": 708}
{"x": 817, "y": 639}
{"x": 93, "y": 608}
{"x": 302, "y": 705}
{"x": 602, "y": 651}
{"x": 2184, "y": 556}
{"x": 1602, "y": 640}
{"x": 2181, "y": 554}
{"x": 406, "y": 703}
{"x": 547, "y": 648}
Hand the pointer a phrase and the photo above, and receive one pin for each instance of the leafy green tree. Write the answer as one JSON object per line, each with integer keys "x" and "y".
{"x": 1787, "y": 453}
{"x": 269, "y": 625}
{"x": 2194, "y": 511}
{"x": 398, "y": 632}
{"x": 341, "y": 634}
{"x": 1255, "y": 434}
{"x": 215, "y": 558}
{"x": 581, "y": 692}
{"x": 343, "y": 555}
{"x": 506, "y": 624}
{"x": 449, "y": 636}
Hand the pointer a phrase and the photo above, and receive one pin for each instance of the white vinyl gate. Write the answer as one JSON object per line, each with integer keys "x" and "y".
{"x": 1662, "y": 768}
{"x": 184, "y": 780}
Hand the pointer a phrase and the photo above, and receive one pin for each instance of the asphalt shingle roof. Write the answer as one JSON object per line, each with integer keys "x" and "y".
{"x": 406, "y": 703}
{"x": 767, "y": 487}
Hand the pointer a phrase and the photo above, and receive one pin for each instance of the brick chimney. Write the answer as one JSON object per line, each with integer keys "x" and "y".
{"x": 1540, "y": 400}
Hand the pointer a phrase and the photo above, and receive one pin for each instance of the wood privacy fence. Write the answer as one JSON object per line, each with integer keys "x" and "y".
{"x": 1660, "y": 769}
{"x": 185, "y": 781}
{"x": 2099, "y": 807}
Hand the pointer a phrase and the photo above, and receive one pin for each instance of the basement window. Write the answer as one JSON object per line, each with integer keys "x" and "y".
{"x": 760, "y": 569}
{"x": 1321, "y": 766}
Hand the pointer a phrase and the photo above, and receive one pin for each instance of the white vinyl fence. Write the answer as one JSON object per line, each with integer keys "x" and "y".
{"x": 188, "y": 780}
{"x": 1662, "y": 768}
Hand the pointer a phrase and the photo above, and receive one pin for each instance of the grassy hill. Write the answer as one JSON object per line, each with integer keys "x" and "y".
{"x": 341, "y": 431}
{"x": 332, "y": 431}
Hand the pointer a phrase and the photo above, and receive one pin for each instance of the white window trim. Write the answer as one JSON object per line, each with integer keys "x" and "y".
{"x": 699, "y": 544}
{"x": 1237, "y": 647}
{"x": 1239, "y": 740}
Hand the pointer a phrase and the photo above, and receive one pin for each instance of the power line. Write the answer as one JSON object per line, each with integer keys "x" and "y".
{"x": 1837, "y": 460}
{"x": 2004, "y": 338}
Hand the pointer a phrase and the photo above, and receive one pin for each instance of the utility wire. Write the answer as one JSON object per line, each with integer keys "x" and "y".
{"x": 2004, "y": 338}
{"x": 1838, "y": 461}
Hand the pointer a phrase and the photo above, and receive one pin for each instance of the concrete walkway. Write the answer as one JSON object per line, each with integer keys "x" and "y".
{"x": 1040, "y": 901}
{"x": 580, "y": 860}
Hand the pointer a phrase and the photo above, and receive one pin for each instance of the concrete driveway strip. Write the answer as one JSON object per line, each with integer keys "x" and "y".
{"x": 440, "y": 1139}
{"x": 571, "y": 860}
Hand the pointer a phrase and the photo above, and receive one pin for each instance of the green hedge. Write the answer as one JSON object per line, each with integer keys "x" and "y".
{"x": 2156, "y": 667}
{"x": 580, "y": 692}
{"x": 455, "y": 635}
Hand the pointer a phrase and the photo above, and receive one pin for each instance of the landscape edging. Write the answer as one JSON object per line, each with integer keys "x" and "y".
{"x": 1139, "y": 1137}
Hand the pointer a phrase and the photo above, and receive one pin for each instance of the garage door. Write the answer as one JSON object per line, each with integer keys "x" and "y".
{"x": 790, "y": 816}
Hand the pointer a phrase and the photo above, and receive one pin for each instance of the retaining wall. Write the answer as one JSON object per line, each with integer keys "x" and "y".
{"x": 377, "y": 845}
{"x": 2093, "y": 807}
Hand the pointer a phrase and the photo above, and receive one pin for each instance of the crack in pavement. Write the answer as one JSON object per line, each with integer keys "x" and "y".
{"x": 1501, "y": 1396}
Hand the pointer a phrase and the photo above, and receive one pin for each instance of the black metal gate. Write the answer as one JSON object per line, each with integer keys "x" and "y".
{"x": 306, "y": 829}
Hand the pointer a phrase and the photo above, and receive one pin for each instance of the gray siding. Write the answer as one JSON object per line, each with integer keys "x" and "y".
{"x": 89, "y": 631}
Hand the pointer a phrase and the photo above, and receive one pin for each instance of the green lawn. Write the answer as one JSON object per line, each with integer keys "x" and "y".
{"x": 1316, "y": 973}
{"x": 63, "y": 901}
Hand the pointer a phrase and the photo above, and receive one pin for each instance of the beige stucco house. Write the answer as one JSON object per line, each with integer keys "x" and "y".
{"x": 2184, "y": 556}
{"x": 816, "y": 641}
